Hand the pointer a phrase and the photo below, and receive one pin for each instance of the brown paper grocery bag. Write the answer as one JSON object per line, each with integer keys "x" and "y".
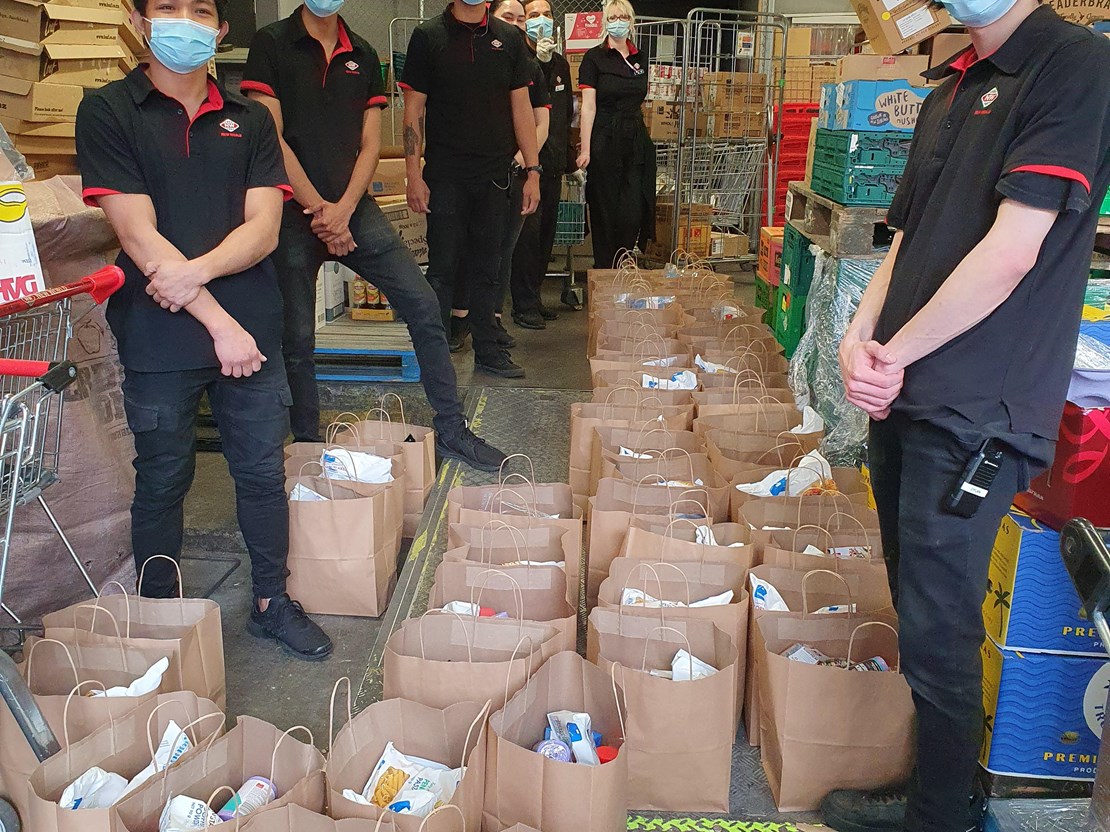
{"x": 827, "y": 728}
{"x": 844, "y": 481}
{"x": 125, "y": 745}
{"x": 623, "y": 387}
{"x": 845, "y": 549}
{"x": 294, "y": 818}
{"x": 497, "y": 543}
{"x": 525, "y": 787}
{"x": 526, "y": 593}
{"x": 439, "y": 659}
{"x": 831, "y": 510}
{"x": 251, "y": 748}
{"x": 676, "y": 466}
{"x": 680, "y": 734}
{"x": 454, "y": 736}
{"x": 781, "y": 450}
{"x": 747, "y": 387}
{"x": 619, "y": 501}
{"x": 343, "y": 550}
{"x": 614, "y": 444}
{"x": 680, "y": 540}
{"x": 685, "y": 583}
{"x": 752, "y": 417}
{"x": 60, "y": 677}
{"x": 611, "y": 347}
{"x": 804, "y": 592}
{"x": 189, "y": 628}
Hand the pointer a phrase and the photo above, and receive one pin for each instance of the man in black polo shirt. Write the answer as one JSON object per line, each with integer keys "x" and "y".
{"x": 466, "y": 81}
{"x": 323, "y": 85}
{"x": 963, "y": 342}
{"x": 537, "y": 238}
{"x": 191, "y": 178}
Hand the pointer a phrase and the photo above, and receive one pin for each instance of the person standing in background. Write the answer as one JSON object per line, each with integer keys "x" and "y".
{"x": 466, "y": 83}
{"x": 537, "y": 238}
{"x": 323, "y": 85}
{"x": 512, "y": 12}
{"x": 617, "y": 152}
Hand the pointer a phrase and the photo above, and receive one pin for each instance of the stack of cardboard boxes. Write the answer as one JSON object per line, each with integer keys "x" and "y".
{"x": 736, "y": 103}
{"x": 50, "y": 53}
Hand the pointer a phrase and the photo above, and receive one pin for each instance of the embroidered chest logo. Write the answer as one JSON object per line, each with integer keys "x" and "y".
{"x": 985, "y": 102}
{"x": 351, "y": 65}
{"x": 230, "y": 129}
{"x": 496, "y": 44}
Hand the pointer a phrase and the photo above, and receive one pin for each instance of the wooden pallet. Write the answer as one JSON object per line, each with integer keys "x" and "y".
{"x": 349, "y": 350}
{"x": 841, "y": 230}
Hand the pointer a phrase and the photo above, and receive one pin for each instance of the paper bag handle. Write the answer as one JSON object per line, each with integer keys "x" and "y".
{"x": 327, "y": 479}
{"x": 838, "y": 513}
{"x": 852, "y": 642}
{"x": 281, "y": 739}
{"x": 487, "y": 545}
{"x": 445, "y": 807}
{"x": 681, "y": 574}
{"x": 176, "y": 565}
{"x": 805, "y": 592}
{"x": 794, "y": 539}
{"x": 69, "y": 698}
{"x": 647, "y": 429}
{"x": 115, "y": 625}
{"x": 509, "y": 670}
{"x": 420, "y": 633}
{"x": 746, "y": 375}
{"x": 336, "y": 426}
{"x": 679, "y": 633}
{"x": 212, "y": 797}
{"x": 616, "y": 697}
{"x": 400, "y": 406}
{"x": 502, "y": 489}
{"x": 643, "y": 564}
{"x": 181, "y": 731}
{"x": 126, "y": 603}
{"x": 482, "y": 716}
{"x": 72, "y": 664}
{"x": 331, "y": 709}
{"x": 501, "y": 477}
{"x": 517, "y": 593}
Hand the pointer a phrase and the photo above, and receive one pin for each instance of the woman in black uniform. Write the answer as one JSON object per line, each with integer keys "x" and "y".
{"x": 616, "y": 148}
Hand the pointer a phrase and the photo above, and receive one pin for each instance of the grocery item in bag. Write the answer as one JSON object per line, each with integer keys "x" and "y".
{"x": 184, "y": 814}
{"x": 173, "y": 744}
{"x": 575, "y": 730}
{"x": 344, "y": 464}
{"x": 631, "y": 597}
{"x": 300, "y": 491}
{"x": 397, "y": 777}
{"x": 255, "y": 793}
{"x": 95, "y": 789}
{"x": 147, "y": 683}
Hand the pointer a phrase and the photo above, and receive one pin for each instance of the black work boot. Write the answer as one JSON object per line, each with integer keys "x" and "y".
{"x": 286, "y": 622}
{"x": 885, "y": 810}
{"x": 504, "y": 339}
{"x": 470, "y": 450}
{"x": 548, "y": 314}
{"x": 529, "y": 320}
{"x": 498, "y": 364}
{"x": 460, "y": 330}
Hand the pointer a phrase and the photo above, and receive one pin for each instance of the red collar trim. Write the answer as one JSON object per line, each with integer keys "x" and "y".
{"x": 344, "y": 41}
{"x": 965, "y": 60}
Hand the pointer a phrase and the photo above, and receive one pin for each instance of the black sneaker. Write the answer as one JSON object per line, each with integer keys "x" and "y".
{"x": 504, "y": 339}
{"x": 498, "y": 364}
{"x": 529, "y": 320}
{"x": 884, "y": 810}
{"x": 470, "y": 450}
{"x": 460, "y": 330}
{"x": 285, "y": 621}
{"x": 548, "y": 314}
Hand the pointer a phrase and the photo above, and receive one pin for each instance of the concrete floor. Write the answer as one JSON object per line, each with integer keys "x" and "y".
{"x": 262, "y": 680}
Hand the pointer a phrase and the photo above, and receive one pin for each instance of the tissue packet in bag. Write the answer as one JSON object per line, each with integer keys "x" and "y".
{"x": 95, "y": 789}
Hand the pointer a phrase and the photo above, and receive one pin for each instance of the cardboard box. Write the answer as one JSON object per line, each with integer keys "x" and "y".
{"x": 332, "y": 295}
{"x": 61, "y": 63}
{"x": 732, "y": 91}
{"x": 1031, "y": 604}
{"x": 125, "y": 6}
{"x": 34, "y": 101}
{"x": 41, "y": 22}
{"x": 798, "y": 86}
{"x": 47, "y": 167}
{"x": 583, "y": 30}
{"x": 378, "y": 315}
{"x": 881, "y": 68}
{"x": 878, "y": 105}
{"x": 725, "y": 245}
{"x": 947, "y": 45}
{"x": 574, "y": 60}
{"x": 1083, "y": 12}
{"x": 694, "y": 227}
{"x": 770, "y": 253}
{"x": 820, "y": 74}
{"x": 809, "y": 151}
{"x": 1044, "y": 713}
{"x": 749, "y": 124}
{"x": 57, "y": 129}
{"x": 895, "y": 30}
{"x": 44, "y": 145}
{"x": 389, "y": 179}
{"x": 412, "y": 227}
{"x": 662, "y": 121}
{"x": 1078, "y": 482}
{"x": 131, "y": 38}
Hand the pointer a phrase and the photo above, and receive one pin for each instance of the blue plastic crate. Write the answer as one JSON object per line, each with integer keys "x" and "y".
{"x": 877, "y": 105}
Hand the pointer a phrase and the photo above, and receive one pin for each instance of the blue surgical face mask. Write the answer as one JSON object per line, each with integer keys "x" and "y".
{"x": 182, "y": 45}
{"x": 324, "y": 8}
{"x": 539, "y": 27}
{"x": 617, "y": 29}
{"x": 978, "y": 13}
{"x": 474, "y": 2}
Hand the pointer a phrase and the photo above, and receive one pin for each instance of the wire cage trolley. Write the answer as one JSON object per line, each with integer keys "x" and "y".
{"x": 34, "y": 372}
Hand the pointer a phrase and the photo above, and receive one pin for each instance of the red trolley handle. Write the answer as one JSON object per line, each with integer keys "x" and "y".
{"x": 100, "y": 285}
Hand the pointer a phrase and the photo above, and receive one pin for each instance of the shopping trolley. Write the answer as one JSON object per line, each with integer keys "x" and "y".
{"x": 570, "y": 231}
{"x": 34, "y": 372}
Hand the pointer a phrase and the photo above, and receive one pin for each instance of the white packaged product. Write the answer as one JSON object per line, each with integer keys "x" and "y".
{"x": 712, "y": 367}
{"x": 576, "y": 731}
{"x": 805, "y": 654}
{"x": 766, "y": 597}
{"x": 811, "y": 422}
{"x": 682, "y": 380}
{"x": 173, "y": 744}
{"x": 147, "y": 683}
{"x": 840, "y": 552}
{"x": 666, "y": 361}
{"x": 344, "y": 464}
{"x": 703, "y": 536}
{"x": 812, "y": 470}
{"x": 632, "y": 597}
{"x": 686, "y": 668}
{"x": 623, "y": 451}
{"x": 184, "y": 814}
{"x": 301, "y": 493}
{"x": 396, "y": 773}
{"x": 95, "y": 789}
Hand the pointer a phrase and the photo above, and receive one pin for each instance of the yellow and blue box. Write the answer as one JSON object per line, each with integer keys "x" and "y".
{"x": 1031, "y": 603}
{"x": 1044, "y": 713}
{"x": 877, "y": 105}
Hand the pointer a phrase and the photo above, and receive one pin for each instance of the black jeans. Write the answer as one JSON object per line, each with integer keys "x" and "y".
{"x": 253, "y": 417}
{"x": 466, "y": 234}
{"x": 533, "y": 248}
{"x": 938, "y": 576}
{"x": 382, "y": 259}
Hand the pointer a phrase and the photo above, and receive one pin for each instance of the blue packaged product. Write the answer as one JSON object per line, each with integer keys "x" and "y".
{"x": 877, "y": 105}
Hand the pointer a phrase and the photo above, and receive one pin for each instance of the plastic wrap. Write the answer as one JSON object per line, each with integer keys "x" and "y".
{"x": 14, "y": 158}
{"x": 1039, "y": 816}
{"x": 834, "y": 296}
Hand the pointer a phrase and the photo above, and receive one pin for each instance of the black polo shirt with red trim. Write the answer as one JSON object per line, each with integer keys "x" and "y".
{"x": 621, "y": 83}
{"x": 468, "y": 71}
{"x": 132, "y": 139}
{"x": 1030, "y": 123}
{"x": 323, "y": 98}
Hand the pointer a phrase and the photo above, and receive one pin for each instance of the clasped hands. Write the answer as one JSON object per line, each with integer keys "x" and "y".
{"x": 872, "y": 376}
{"x": 331, "y": 223}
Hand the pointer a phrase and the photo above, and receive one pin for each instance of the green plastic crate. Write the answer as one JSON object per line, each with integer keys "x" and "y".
{"x": 798, "y": 261}
{"x": 857, "y": 185}
{"x": 844, "y": 148}
{"x": 1105, "y": 210}
{"x": 764, "y": 292}
{"x": 789, "y": 324}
